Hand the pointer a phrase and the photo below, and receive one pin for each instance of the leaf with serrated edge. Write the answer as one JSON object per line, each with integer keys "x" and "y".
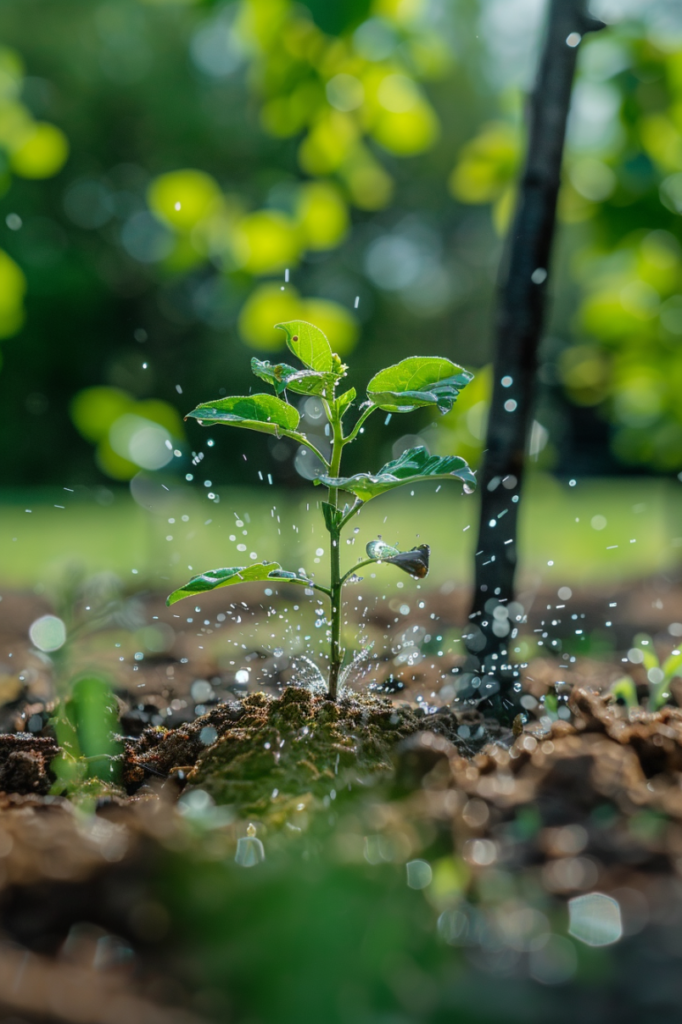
{"x": 283, "y": 377}
{"x": 418, "y": 381}
{"x": 265, "y": 413}
{"x": 213, "y": 579}
{"x": 413, "y": 466}
{"x": 309, "y": 343}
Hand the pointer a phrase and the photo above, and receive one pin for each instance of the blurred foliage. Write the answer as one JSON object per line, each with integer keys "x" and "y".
{"x": 130, "y": 435}
{"x": 31, "y": 149}
{"x": 463, "y": 428}
{"x": 623, "y": 193}
{"x": 236, "y": 164}
{"x": 85, "y": 723}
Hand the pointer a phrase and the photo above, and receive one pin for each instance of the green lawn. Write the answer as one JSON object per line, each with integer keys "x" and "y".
{"x": 643, "y": 532}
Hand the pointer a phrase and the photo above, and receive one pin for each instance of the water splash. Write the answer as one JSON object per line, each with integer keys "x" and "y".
{"x": 308, "y": 674}
{"x": 357, "y": 669}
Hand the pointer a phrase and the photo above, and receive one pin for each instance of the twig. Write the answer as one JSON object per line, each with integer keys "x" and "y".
{"x": 520, "y": 318}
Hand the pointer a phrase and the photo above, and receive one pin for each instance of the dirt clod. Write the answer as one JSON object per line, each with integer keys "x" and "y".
{"x": 25, "y": 763}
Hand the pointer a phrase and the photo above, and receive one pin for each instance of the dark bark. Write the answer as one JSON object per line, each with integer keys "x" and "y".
{"x": 520, "y": 317}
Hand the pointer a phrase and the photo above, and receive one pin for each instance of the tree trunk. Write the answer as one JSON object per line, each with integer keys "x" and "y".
{"x": 520, "y": 317}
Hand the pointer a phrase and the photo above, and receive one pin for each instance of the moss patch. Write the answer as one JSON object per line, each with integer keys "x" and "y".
{"x": 300, "y": 743}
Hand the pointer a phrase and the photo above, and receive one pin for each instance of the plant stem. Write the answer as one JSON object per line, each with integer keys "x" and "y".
{"x": 302, "y": 439}
{"x": 358, "y": 426}
{"x": 520, "y": 317}
{"x": 336, "y": 582}
{"x": 366, "y": 561}
{"x": 352, "y": 511}
{"x": 336, "y": 588}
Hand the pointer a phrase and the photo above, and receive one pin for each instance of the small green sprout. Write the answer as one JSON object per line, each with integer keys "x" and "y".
{"x": 658, "y": 676}
{"x": 414, "y": 383}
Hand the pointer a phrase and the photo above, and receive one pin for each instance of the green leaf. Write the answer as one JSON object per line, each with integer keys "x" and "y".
{"x": 413, "y": 466}
{"x": 265, "y": 413}
{"x": 415, "y": 562}
{"x": 346, "y": 399}
{"x": 645, "y": 644}
{"x": 625, "y": 690}
{"x": 216, "y": 578}
{"x": 281, "y": 376}
{"x": 551, "y": 703}
{"x": 380, "y": 550}
{"x": 418, "y": 381}
{"x": 310, "y": 344}
{"x": 332, "y": 516}
{"x": 672, "y": 666}
{"x": 658, "y": 695}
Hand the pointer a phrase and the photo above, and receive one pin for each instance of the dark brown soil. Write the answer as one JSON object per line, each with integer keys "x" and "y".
{"x": 592, "y": 803}
{"x": 261, "y": 754}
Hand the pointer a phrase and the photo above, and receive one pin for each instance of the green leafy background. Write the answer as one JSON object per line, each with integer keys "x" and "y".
{"x": 164, "y": 165}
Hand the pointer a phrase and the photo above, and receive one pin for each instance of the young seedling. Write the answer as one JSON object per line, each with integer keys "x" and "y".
{"x": 658, "y": 676}
{"x": 417, "y": 382}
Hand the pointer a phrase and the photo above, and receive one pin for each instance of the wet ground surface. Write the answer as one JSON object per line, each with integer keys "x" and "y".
{"x": 499, "y": 836}
{"x": 165, "y": 663}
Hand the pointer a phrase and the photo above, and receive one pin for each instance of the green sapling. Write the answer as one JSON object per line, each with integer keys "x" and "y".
{"x": 417, "y": 382}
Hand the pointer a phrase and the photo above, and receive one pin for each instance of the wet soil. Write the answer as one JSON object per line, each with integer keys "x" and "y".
{"x": 511, "y": 824}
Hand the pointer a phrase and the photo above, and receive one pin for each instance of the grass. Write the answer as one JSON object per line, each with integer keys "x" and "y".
{"x": 559, "y": 543}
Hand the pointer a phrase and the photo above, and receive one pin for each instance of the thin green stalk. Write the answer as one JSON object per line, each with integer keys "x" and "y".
{"x": 336, "y": 583}
{"x": 336, "y": 587}
{"x": 366, "y": 561}
{"x": 302, "y": 439}
{"x": 358, "y": 426}
{"x": 352, "y": 511}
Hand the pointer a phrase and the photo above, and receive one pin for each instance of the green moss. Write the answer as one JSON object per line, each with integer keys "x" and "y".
{"x": 302, "y": 746}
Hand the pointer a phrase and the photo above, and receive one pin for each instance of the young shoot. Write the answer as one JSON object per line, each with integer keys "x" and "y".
{"x": 658, "y": 676}
{"x": 414, "y": 383}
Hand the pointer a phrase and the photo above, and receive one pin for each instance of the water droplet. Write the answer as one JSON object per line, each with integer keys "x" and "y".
{"x": 419, "y": 874}
{"x": 208, "y": 735}
{"x": 249, "y": 849}
{"x": 48, "y": 633}
{"x": 595, "y": 919}
{"x": 201, "y": 691}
